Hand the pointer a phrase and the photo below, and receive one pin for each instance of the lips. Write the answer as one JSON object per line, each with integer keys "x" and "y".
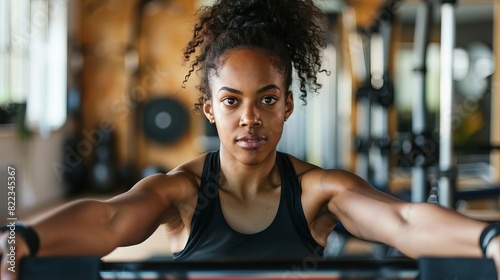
{"x": 251, "y": 141}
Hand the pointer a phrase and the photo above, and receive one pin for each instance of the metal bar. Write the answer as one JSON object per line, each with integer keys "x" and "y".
{"x": 446, "y": 186}
{"x": 419, "y": 191}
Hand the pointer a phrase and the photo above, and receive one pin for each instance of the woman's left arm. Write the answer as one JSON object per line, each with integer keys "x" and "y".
{"x": 416, "y": 229}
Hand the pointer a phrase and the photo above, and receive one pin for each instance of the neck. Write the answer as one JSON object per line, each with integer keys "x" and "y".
{"x": 248, "y": 180}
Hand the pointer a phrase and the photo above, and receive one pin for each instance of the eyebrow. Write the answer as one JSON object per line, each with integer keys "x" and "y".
{"x": 261, "y": 90}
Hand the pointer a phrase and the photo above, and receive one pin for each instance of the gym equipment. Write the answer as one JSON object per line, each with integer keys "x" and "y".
{"x": 447, "y": 167}
{"x": 424, "y": 150}
{"x": 420, "y": 184}
{"x": 165, "y": 120}
{"x": 103, "y": 170}
{"x": 91, "y": 268}
{"x": 374, "y": 98}
{"x": 447, "y": 172}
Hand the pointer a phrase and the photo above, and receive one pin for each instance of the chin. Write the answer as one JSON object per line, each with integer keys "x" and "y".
{"x": 253, "y": 156}
{"x": 249, "y": 156}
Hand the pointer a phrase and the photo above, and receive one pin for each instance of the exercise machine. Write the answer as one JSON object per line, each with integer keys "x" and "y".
{"x": 92, "y": 268}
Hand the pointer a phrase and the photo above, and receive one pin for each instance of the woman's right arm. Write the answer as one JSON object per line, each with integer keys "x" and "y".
{"x": 91, "y": 227}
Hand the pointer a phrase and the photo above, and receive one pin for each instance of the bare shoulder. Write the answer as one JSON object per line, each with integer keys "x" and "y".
{"x": 192, "y": 169}
{"x": 179, "y": 184}
{"x": 302, "y": 167}
{"x": 312, "y": 176}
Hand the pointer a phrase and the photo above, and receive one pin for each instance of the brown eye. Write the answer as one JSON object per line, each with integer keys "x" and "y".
{"x": 229, "y": 101}
{"x": 268, "y": 100}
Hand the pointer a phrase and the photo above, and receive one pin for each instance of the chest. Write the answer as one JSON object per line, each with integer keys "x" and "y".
{"x": 252, "y": 215}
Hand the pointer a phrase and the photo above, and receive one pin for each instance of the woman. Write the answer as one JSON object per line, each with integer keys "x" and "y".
{"x": 248, "y": 201}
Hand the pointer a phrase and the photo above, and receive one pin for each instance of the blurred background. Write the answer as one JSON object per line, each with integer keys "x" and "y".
{"x": 92, "y": 97}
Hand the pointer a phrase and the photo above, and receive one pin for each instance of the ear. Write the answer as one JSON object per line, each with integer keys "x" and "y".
{"x": 208, "y": 111}
{"x": 289, "y": 105}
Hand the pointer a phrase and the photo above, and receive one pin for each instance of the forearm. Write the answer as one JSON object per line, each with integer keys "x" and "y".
{"x": 79, "y": 228}
{"x": 431, "y": 230}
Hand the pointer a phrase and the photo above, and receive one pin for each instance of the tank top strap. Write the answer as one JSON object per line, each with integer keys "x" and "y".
{"x": 210, "y": 176}
{"x": 292, "y": 189}
{"x": 205, "y": 206}
{"x": 209, "y": 188}
{"x": 290, "y": 184}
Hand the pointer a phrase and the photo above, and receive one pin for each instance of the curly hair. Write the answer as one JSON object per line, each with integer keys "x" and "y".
{"x": 290, "y": 31}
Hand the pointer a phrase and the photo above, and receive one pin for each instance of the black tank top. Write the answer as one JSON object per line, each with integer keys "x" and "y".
{"x": 287, "y": 238}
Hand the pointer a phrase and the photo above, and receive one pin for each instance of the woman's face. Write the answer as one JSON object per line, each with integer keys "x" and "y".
{"x": 249, "y": 105}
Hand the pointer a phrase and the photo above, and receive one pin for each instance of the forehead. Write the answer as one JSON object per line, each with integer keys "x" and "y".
{"x": 247, "y": 64}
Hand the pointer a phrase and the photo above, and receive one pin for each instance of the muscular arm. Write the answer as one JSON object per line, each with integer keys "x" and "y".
{"x": 431, "y": 230}
{"x": 415, "y": 229}
{"x": 90, "y": 227}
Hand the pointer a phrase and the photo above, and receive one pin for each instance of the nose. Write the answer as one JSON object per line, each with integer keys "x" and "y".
{"x": 250, "y": 117}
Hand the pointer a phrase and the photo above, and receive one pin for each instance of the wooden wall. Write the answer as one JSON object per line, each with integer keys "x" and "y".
{"x": 111, "y": 92}
{"x": 104, "y": 36}
{"x": 165, "y": 30}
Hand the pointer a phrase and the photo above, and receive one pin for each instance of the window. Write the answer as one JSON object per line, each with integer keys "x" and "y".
{"x": 33, "y": 55}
